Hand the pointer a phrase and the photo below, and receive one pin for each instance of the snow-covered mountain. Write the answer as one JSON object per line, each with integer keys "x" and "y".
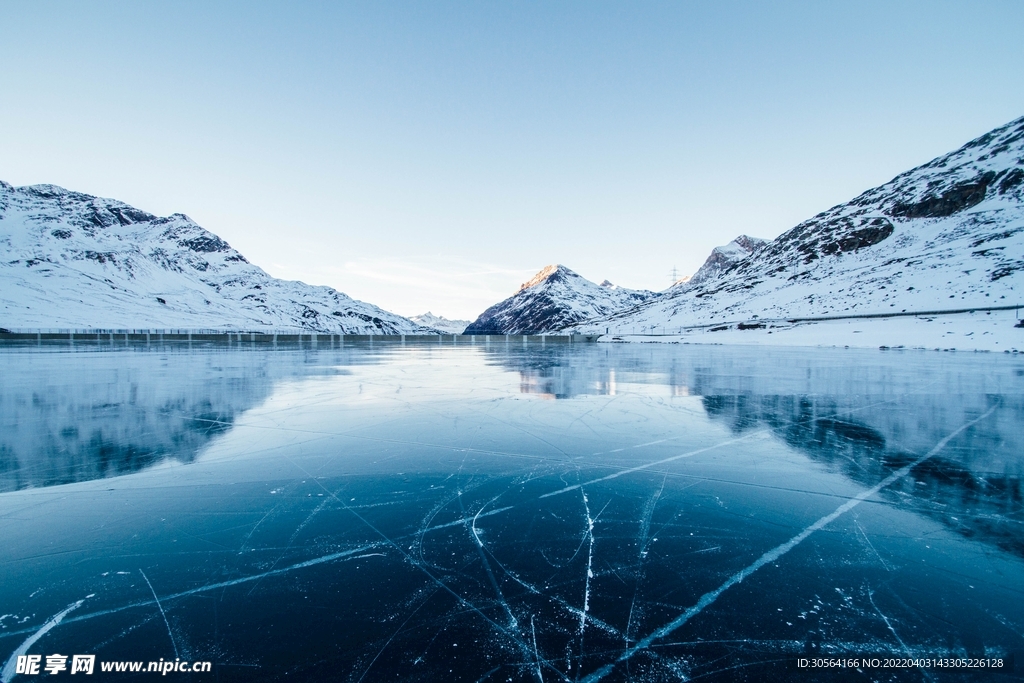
{"x": 722, "y": 258}
{"x": 440, "y": 323}
{"x": 70, "y": 260}
{"x": 554, "y": 299}
{"x": 946, "y": 235}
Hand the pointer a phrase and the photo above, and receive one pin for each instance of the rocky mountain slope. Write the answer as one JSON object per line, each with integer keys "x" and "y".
{"x": 440, "y": 323}
{"x": 70, "y": 260}
{"x": 554, "y": 299}
{"x": 946, "y": 235}
{"x": 722, "y": 259}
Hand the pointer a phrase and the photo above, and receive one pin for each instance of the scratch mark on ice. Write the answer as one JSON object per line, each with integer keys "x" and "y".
{"x": 462, "y": 522}
{"x": 222, "y": 584}
{"x": 488, "y": 674}
{"x": 645, "y": 535}
{"x": 536, "y": 655}
{"x": 648, "y": 465}
{"x": 513, "y": 622}
{"x": 162, "y": 613}
{"x": 641, "y": 445}
{"x": 10, "y": 667}
{"x": 888, "y": 624}
{"x": 393, "y": 635}
{"x": 871, "y": 545}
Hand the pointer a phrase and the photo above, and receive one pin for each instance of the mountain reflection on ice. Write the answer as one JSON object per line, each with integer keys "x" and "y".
{"x": 416, "y": 513}
{"x": 98, "y": 413}
{"x": 846, "y": 418}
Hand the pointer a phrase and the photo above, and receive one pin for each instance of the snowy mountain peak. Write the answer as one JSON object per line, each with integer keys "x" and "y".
{"x": 71, "y": 260}
{"x": 440, "y": 323}
{"x": 747, "y": 243}
{"x": 553, "y": 273}
{"x": 722, "y": 259}
{"x": 553, "y": 299}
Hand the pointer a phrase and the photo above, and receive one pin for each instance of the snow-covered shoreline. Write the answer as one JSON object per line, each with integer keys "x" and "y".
{"x": 977, "y": 331}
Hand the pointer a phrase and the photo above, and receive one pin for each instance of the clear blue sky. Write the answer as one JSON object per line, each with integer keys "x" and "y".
{"x": 430, "y": 155}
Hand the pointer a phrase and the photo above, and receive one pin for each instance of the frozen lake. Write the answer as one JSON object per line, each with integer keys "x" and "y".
{"x": 585, "y": 512}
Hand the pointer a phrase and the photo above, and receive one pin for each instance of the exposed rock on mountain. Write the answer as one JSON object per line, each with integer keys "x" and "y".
{"x": 70, "y": 260}
{"x": 554, "y": 299}
{"x": 440, "y": 323}
{"x": 946, "y": 235}
{"x": 723, "y": 258}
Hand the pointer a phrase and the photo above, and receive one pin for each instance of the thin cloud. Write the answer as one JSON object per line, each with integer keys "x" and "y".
{"x": 448, "y": 286}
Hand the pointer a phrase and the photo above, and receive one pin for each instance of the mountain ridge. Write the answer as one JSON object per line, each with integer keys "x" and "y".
{"x": 722, "y": 258}
{"x": 553, "y": 299}
{"x": 72, "y": 260}
{"x": 441, "y": 323}
{"x": 948, "y": 234}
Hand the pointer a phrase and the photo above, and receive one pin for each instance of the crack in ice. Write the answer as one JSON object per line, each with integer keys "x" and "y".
{"x": 648, "y": 465}
{"x": 214, "y": 586}
{"x": 513, "y": 622}
{"x": 162, "y": 612}
{"x": 775, "y": 553}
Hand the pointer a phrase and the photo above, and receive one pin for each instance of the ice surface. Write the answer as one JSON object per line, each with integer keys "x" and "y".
{"x": 495, "y": 512}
